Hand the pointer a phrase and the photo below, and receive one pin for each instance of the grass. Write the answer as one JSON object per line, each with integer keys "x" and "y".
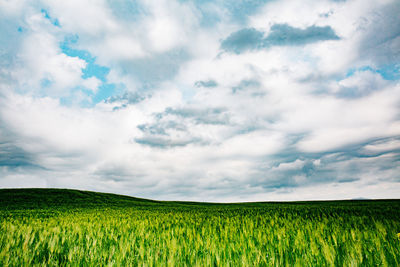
{"x": 53, "y": 227}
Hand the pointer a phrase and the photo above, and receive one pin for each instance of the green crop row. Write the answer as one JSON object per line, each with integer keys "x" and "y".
{"x": 202, "y": 235}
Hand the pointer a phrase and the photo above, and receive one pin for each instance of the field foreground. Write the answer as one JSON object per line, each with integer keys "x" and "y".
{"x": 69, "y": 227}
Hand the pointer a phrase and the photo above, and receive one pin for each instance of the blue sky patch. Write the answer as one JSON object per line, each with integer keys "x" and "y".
{"x": 92, "y": 69}
{"x": 53, "y": 21}
{"x": 389, "y": 72}
{"x": 105, "y": 90}
{"x": 45, "y": 83}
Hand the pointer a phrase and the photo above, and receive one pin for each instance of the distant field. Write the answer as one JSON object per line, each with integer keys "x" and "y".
{"x": 78, "y": 228}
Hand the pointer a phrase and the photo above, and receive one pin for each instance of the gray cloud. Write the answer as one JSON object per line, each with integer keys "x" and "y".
{"x": 12, "y": 154}
{"x": 246, "y": 84}
{"x": 382, "y": 39}
{"x": 173, "y": 126}
{"x": 161, "y": 127}
{"x": 156, "y": 68}
{"x": 360, "y": 84}
{"x": 293, "y": 169}
{"x": 280, "y": 35}
{"x": 200, "y": 115}
{"x": 209, "y": 83}
{"x": 13, "y": 157}
{"x": 126, "y": 98}
{"x": 311, "y": 170}
{"x": 284, "y": 34}
{"x": 165, "y": 142}
{"x": 243, "y": 40}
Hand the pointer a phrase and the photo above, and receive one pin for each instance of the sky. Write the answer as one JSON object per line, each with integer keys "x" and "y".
{"x": 245, "y": 100}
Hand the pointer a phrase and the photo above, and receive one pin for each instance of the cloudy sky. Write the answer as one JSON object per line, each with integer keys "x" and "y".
{"x": 239, "y": 100}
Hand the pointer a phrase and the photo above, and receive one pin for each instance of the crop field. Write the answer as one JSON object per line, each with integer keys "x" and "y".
{"x": 55, "y": 227}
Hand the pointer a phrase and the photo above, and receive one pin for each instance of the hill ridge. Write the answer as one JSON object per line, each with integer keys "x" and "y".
{"x": 45, "y": 197}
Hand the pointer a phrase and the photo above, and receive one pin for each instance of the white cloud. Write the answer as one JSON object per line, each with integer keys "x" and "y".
{"x": 346, "y": 122}
{"x": 169, "y": 24}
{"x": 363, "y": 83}
{"x": 40, "y": 66}
{"x": 382, "y": 146}
{"x": 91, "y": 83}
{"x": 292, "y": 12}
{"x": 12, "y": 8}
{"x": 294, "y": 165}
{"x": 272, "y": 124}
{"x": 252, "y": 144}
{"x": 123, "y": 47}
{"x": 83, "y": 17}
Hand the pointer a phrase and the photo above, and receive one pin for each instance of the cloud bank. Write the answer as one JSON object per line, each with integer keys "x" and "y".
{"x": 202, "y": 100}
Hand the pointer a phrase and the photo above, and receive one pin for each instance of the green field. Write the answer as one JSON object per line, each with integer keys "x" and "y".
{"x": 68, "y": 227}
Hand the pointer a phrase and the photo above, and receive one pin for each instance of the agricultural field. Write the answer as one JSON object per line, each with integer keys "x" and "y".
{"x": 56, "y": 227}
